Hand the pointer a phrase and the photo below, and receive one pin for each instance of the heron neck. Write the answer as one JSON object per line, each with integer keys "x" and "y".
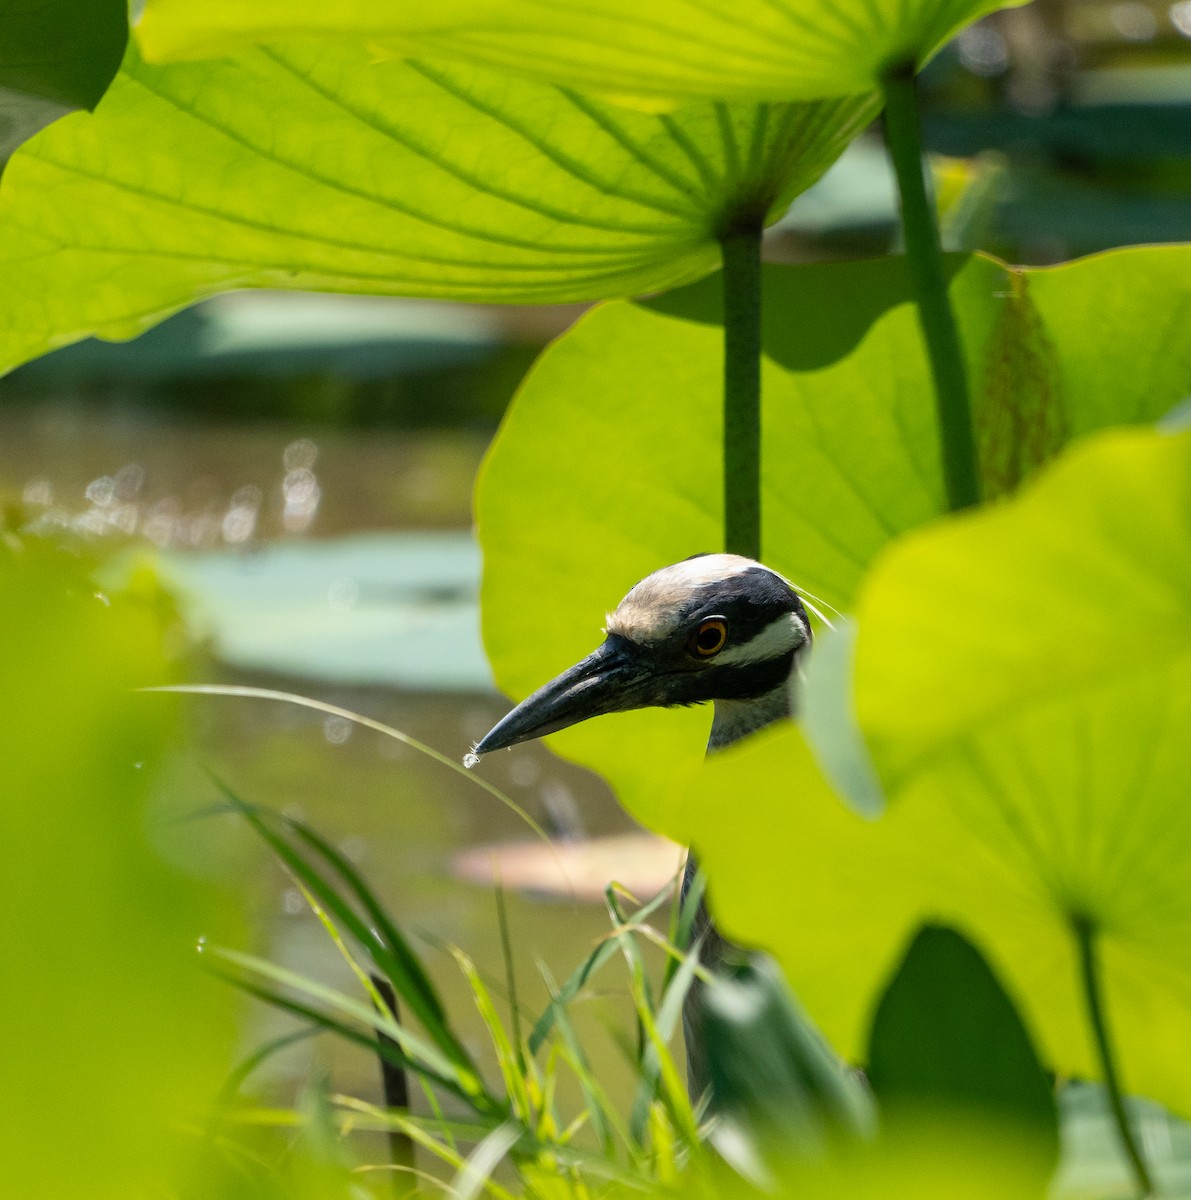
{"x": 735, "y": 719}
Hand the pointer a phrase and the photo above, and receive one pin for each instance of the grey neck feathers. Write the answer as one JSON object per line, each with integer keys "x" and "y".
{"x": 735, "y": 719}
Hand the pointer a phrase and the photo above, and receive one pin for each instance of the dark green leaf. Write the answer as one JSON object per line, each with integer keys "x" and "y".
{"x": 55, "y": 56}
{"x": 946, "y": 1037}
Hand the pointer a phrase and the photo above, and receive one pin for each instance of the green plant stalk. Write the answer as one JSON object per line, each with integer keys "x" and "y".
{"x": 924, "y": 263}
{"x": 506, "y": 948}
{"x": 742, "y": 390}
{"x": 1089, "y": 970}
{"x": 395, "y": 1084}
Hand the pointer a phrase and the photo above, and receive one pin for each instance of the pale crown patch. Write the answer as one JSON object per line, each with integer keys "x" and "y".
{"x": 653, "y": 610}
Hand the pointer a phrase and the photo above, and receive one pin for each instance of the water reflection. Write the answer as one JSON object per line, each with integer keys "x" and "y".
{"x": 300, "y": 486}
{"x": 239, "y": 523}
{"x": 184, "y": 485}
{"x": 113, "y": 505}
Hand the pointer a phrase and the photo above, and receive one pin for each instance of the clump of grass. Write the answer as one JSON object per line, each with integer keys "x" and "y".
{"x": 470, "y": 1125}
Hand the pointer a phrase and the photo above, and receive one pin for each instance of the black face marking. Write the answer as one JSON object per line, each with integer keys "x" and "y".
{"x": 745, "y": 682}
{"x": 749, "y": 602}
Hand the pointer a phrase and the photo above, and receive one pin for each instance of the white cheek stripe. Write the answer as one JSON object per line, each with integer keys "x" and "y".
{"x": 777, "y": 638}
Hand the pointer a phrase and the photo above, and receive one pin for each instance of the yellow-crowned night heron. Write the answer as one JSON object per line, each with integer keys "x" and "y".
{"x": 714, "y": 627}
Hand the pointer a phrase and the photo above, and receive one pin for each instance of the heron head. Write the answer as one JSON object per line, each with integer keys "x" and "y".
{"x": 712, "y": 627}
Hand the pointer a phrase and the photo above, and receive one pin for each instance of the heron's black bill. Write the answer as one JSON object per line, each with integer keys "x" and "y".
{"x": 610, "y": 679}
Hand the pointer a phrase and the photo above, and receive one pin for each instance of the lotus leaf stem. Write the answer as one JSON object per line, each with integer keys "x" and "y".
{"x": 742, "y": 390}
{"x": 1089, "y": 970}
{"x": 924, "y": 264}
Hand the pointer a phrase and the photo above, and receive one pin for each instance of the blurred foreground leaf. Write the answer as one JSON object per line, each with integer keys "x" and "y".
{"x": 1041, "y": 786}
{"x": 932, "y": 1160}
{"x": 316, "y": 165}
{"x": 674, "y": 50}
{"x": 1083, "y": 585}
{"x": 113, "y": 1036}
{"x": 600, "y": 473}
{"x": 771, "y": 1073}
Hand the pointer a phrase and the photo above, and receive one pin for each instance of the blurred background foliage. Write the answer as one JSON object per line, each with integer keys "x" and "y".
{"x": 275, "y": 488}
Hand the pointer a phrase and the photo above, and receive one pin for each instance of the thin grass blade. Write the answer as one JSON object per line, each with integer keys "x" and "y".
{"x": 578, "y": 978}
{"x": 376, "y": 1119}
{"x": 476, "y": 1175}
{"x": 664, "y": 1145}
{"x": 255, "y": 693}
{"x": 240, "y": 1073}
{"x": 416, "y": 976}
{"x": 382, "y": 1120}
{"x": 392, "y": 952}
{"x": 509, "y": 1061}
{"x": 674, "y": 1091}
{"x": 307, "y": 1012}
{"x": 393, "y": 960}
{"x": 597, "y": 1103}
{"x": 668, "y": 1016}
{"x": 420, "y": 1054}
{"x": 682, "y": 924}
{"x": 506, "y": 948}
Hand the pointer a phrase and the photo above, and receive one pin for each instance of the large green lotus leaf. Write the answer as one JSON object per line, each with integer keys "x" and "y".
{"x": 1051, "y": 805}
{"x": 55, "y": 57}
{"x": 317, "y": 166}
{"x": 1142, "y": 294}
{"x": 664, "y": 51}
{"x": 607, "y": 464}
{"x": 607, "y": 467}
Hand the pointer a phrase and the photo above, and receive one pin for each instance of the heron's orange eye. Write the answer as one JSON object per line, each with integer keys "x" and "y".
{"x": 709, "y": 638}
